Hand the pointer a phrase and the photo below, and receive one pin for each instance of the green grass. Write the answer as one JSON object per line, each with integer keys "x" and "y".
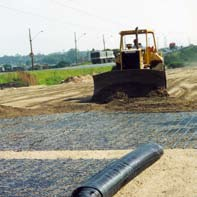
{"x": 52, "y": 77}
{"x": 8, "y": 77}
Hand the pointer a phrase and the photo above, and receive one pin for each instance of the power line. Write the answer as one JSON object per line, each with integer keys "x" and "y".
{"x": 46, "y": 18}
{"x": 103, "y": 19}
{"x": 22, "y": 11}
{"x": 65, "y": 23}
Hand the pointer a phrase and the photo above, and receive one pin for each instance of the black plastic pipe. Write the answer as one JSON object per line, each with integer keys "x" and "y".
{"x": 108, "y": 181}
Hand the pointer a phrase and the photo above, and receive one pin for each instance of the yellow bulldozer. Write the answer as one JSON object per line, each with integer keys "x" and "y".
{"x": 139, "y": 68}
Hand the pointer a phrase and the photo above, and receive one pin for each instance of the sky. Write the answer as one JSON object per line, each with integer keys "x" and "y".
{"x": 172, "y": 21}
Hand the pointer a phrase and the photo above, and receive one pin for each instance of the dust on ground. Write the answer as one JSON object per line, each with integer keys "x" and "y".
{"x": 75, "y": 95}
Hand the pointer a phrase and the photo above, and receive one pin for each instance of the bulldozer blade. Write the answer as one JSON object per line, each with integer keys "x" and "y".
{"x": 132, "y": 83}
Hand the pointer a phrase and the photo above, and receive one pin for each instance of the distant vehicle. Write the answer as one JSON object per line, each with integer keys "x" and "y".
{"x": 18, "y": 68}
{"x": 172, "y": 45}
{"x": 7, "y": 67}
{"x": 2, "y": 69}
{"x": 99, "y": 57}
{"x": 38, "y": 67}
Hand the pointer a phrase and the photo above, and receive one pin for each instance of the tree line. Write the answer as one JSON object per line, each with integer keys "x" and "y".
{"x": 182, "y": 57}
{"x": 68, "y": 57}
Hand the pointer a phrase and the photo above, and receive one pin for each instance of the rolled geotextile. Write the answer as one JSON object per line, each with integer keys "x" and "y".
{"x": 108, "y": 181}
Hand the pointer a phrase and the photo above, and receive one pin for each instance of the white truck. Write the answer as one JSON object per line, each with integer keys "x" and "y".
{"x": 99, "y": 57}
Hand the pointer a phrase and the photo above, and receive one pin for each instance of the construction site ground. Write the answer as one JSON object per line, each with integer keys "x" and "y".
{"x": 76, "y": 94}
{"x": 64, "y": 138}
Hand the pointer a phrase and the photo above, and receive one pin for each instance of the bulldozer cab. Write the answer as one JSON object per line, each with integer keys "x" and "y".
{"x": 138, "y": 50}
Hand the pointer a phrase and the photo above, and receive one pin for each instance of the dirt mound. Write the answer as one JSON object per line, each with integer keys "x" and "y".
{"x": 78, "y": 79}
{"x": 158, "y": 93}
{"x": 126, "y": 92}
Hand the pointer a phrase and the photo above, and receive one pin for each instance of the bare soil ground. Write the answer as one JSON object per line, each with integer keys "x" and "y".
{"x": 75, "y": 95}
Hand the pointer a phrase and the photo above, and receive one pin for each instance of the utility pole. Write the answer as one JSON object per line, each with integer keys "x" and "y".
{"x": 76, "y": 55}
{"x": 189, "y": 41}
{"x": 76, "y": 50}
{"x": 104, "y": 42}
{"x": 31, "y": 50}
{"x": 158, "y": 46}
{"x": 165, "y": 42}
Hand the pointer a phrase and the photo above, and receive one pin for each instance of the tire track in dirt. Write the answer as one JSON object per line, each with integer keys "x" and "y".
{"x": 182, "y": 83}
